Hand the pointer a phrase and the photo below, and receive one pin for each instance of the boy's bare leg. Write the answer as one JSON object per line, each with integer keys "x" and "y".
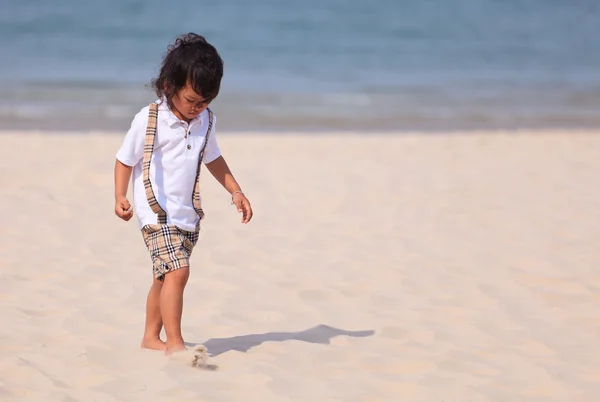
{"x": 171, "y": 307}
{"x": 154, "y": 320}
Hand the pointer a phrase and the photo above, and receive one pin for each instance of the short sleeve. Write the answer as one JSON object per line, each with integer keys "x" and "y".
{"x": 132, "y": 148}
{"x": 212, "y": 151}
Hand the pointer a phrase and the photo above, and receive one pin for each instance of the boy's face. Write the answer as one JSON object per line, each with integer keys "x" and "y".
{"x": 188, "y": 103}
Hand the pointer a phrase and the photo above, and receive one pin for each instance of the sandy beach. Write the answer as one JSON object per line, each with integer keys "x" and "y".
{"x": 456, "y": 267}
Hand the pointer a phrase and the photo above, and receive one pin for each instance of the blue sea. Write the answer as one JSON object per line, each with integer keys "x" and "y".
{"x": 359, "y": 65}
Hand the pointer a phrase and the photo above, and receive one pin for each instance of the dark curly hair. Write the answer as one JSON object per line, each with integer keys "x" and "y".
{"x": 190, "y": 59}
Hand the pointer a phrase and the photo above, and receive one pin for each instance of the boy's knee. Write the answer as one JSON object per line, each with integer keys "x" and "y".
{"x": 180, "y": 275}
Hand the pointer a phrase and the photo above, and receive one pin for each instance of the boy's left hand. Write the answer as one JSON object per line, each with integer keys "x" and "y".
{"x": 243, "y": 206}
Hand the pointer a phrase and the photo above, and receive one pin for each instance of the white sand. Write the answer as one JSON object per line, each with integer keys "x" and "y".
{"x": 470, "y": 262}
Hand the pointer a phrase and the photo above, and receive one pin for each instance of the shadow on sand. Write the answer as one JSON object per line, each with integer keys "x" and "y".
{"x": 320, "y": 334}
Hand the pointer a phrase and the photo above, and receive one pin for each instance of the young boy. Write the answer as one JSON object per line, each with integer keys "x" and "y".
{"x": 164, "y": 149}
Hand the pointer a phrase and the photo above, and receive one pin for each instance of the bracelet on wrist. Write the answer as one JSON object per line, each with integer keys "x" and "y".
{"x": 234, "y": 193}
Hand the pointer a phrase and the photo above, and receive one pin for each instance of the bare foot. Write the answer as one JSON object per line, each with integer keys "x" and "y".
{"x": 153, "y": 344}
{"x": 178, "y": 347}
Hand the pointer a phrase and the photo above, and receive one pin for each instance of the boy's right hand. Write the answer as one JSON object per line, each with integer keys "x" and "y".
{"x": 122, "y": 208}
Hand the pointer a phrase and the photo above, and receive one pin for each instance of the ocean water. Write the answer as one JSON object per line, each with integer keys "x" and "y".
{"x": 310, "y": 64}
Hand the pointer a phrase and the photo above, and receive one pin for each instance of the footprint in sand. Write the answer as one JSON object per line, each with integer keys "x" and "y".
{"x": 197, "y": 357}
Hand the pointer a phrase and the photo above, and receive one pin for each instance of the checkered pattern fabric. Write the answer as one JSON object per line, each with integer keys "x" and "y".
{"x": 196, "y": 194}
{"x": 170, "y": 248}
{"x": 148, "y": 149}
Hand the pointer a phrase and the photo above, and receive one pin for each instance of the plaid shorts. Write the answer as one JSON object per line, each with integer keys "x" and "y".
{"x": 170, "y": 248}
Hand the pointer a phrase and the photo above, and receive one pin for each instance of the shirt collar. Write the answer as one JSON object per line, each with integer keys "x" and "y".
{"x": 169, "y": 117}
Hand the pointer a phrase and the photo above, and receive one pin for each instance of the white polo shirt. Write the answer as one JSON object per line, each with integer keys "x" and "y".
{"x": 173, "y": 167}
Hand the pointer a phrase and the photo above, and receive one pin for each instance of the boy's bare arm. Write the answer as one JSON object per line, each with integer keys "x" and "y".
{"x": 221, "y": 172}
{"x": 122, "y": 175}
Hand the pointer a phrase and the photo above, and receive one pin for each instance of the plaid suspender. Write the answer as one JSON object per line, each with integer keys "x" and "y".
{"x": 196, "y": 194}
{"x": 148, "y": 149}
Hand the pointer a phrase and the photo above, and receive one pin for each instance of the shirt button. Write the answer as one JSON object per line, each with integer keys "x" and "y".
{"x": 189, "y": 147}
